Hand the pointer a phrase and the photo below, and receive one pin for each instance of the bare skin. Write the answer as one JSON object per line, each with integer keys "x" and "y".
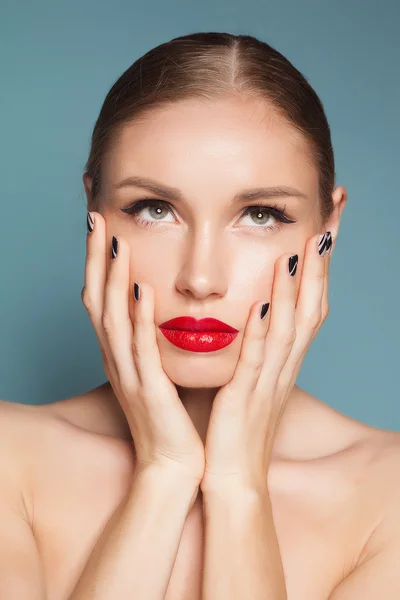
{"x": 76, "y": 460}
{"x": 70, "y": 463}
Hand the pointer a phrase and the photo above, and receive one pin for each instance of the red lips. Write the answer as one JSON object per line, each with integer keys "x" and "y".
{"x": 192, "y": 324}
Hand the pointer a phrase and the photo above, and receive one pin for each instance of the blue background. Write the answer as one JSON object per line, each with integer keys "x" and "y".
{"x": 59, "y": 61}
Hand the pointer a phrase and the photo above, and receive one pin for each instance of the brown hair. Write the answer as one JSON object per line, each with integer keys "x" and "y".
{"x": 213, "y": 65}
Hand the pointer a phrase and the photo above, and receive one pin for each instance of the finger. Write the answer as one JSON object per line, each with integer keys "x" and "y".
{"x": 325, "y": 299}
{"x": 281, "y": 332}
{"x": 145, "y": 348}
{"x": 116, "y": 320}
{"x": 92, "y": 293}
{"x": 311, "y": 289}
{"x": 251, "y": 357}
{"x": 308, "y": 317}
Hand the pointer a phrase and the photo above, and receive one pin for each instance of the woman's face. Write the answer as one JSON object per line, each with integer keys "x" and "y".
{"x": 203, "y": 256}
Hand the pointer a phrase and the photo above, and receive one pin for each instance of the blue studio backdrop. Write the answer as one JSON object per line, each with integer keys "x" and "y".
{"x": 59, "y": 59}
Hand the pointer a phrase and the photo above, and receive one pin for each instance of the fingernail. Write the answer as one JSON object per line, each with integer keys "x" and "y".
{"x": 114, "y": 250}
{"x": 330, "y": 244}
{"x": 324, "y": 244}
{"x": 293, "y": 260}
{"x": 264, "y": 310}
{"x": 136, "y": 291}
{"x": 90, "y": 222}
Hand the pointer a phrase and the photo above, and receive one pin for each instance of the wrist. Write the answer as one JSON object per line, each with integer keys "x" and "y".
{"x": 167, "y": 477}
{"x": 234, "y": 487}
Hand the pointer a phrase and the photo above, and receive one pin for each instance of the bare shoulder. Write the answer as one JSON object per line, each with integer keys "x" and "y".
{"x": 60, "y": 484}
{"x": 382, "y": 494}
{"x": 39, "y": 449}
{"x": 386, "y": 476}
{"x": 17, "y": 431}
{"x": 17, "y": 427}
{"x": 382, "y": 458}
{"x": 24, "y": 429}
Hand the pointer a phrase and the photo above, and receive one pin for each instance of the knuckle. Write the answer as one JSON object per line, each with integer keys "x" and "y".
{"x": 141, "y": 348}
{"x": 136, "y": 348}
{"x": 107, "y": 321}
{"x": 128, "y": 388}
{"x": 252, "y": 361}
{"x": 145, "y": 391}
{"x": 258, "y": 365}
{"x": 86, "y": 300}
{"x": 111, "y": 322}
{"x": 283, "y": 338}
{"x": 325, "y": 312}
{"x": 253, "y": 352}
{"x": 314, "y": 321}
{"x": 288, "y": 338}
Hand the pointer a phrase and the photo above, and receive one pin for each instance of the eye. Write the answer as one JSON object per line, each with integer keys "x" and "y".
{"x": 261, "y": 213}
{"x": 155, "y": 209}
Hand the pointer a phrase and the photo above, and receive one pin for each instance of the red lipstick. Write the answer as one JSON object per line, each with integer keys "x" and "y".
{"x": 203, "y": 335}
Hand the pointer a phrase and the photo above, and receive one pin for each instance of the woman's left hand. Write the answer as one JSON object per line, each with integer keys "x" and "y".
{"x": 247, "y": 410}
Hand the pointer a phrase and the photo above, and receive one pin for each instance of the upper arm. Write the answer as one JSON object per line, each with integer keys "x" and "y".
{"x": 21, "y": 574}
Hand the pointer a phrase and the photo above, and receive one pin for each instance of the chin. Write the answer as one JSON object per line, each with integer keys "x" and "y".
{"x": 197, "y": 372}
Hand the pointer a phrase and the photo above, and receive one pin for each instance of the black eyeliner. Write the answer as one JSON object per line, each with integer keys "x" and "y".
{"x": 276, "y": 212}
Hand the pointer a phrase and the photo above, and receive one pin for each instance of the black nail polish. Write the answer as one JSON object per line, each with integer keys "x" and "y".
{"x": 325, "y": 244}
{"x": 293, "y": 260}
{"x": 114, "y": 250}
{"x": 329, "y": 243}
{"x": 136, "y": 291}
{"x": 89, "y": 222}
{"x": 264, "y": 310}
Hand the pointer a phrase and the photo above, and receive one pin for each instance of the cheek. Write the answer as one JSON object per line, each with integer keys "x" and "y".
{"x": 247, "y": 266}
{"x": 251, "y": 276}
{"x": 253, "y": 269}
{"x": 151, "y": 254}
{"x": 155, "y": 263}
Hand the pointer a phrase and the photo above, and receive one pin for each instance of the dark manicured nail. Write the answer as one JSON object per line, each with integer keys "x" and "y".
{"x": 324, "y": 243}
{"x": 329, "y": 243}
{"x": 90, "y": 222}
{"x": 114, "y": 250}
{"x": 293, "y": 260}
{"x": 264, "y": 310}
{"x": 136, "y": 289}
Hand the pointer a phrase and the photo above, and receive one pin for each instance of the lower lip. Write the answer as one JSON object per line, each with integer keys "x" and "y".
{"x": 199, "y": 341}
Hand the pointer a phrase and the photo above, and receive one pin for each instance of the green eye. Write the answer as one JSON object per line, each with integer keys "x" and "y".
{"x": 278, "y": 213}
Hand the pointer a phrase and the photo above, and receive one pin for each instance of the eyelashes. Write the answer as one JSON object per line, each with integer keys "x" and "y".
{"x": 277, "y": 212}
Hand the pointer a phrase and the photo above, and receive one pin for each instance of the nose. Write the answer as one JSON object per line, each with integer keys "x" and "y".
{"x": 205, "y": 268}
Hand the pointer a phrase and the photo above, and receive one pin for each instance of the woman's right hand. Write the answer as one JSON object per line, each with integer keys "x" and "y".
{"x": 162, "y": 431}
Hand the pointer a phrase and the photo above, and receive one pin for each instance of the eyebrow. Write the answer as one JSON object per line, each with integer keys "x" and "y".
{"x": 175, "y": 194}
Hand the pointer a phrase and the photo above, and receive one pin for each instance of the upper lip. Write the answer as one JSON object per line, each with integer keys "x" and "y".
{"x": 193, "y": 324}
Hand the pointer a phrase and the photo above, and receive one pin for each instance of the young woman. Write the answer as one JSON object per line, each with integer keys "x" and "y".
{"x": 199, "y": 469}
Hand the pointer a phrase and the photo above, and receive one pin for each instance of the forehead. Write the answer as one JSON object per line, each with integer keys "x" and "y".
{"x": 224, "y": 142}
